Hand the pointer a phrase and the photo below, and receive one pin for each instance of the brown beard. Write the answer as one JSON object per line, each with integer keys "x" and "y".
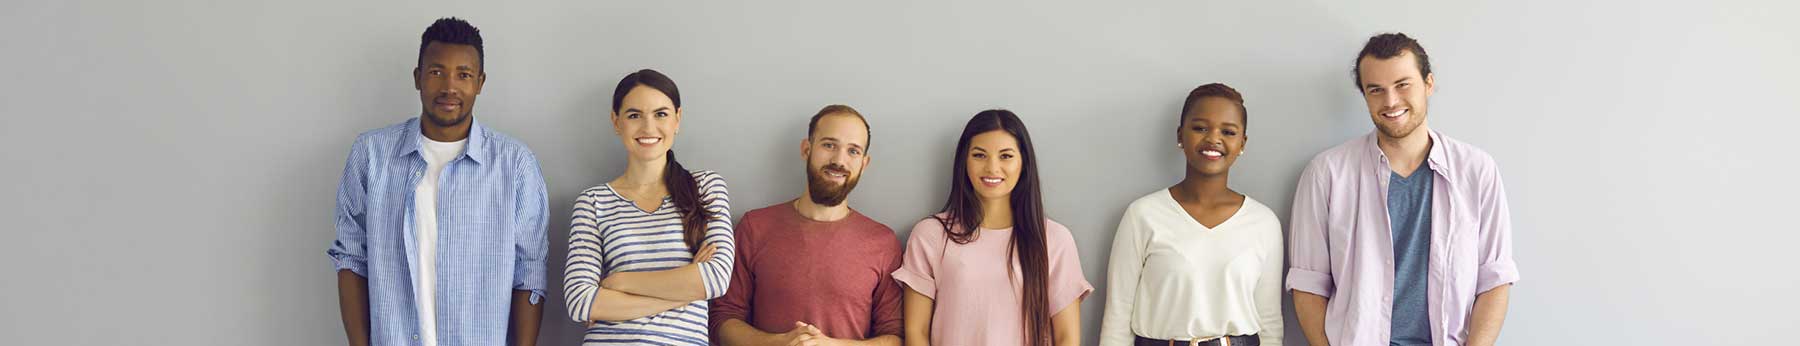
{"x": 820, "y": 190}
{"x": 1404, "y": 129}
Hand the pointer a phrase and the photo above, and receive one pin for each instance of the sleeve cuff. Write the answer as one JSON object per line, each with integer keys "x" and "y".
{"x": 717, "y": 317}
{"x": 580, "y": 300}
{"x": 1061, "y": 303}
{"x": 1309, "y": 281}
{"x": 342, "y": 261}
{"x": 529, "y": 280}
{"x": 1495, "y": 274}
{"x": 924, "y": 285}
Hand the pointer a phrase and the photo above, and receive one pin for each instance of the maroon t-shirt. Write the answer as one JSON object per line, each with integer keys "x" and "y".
{"x": 833, "y": 275}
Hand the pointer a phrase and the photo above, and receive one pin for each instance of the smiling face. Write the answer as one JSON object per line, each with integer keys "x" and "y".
{"x": 647, "y": 122}
{"x": 835, "y": 154}
{"x": 1396, "y": 94}
{"x": 448, "y": 78}
{"x": 1212, "y": 136}
{"x": 993, "y": 162}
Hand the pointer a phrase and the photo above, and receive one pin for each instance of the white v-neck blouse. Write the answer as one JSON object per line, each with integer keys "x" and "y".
{"x": 1171, "y": 278}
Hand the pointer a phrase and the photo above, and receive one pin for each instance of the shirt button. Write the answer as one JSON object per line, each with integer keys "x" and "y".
{"x": 415, "y": 336}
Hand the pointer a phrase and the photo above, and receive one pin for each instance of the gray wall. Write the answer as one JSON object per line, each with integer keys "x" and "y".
{"x": 168, "y": 168}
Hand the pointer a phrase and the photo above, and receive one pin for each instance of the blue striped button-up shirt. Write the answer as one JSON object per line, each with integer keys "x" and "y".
{"x": 491, "y": 239}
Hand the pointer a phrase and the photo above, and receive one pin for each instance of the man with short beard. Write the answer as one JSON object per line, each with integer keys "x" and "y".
{"x": 812, "y": 271}
{"x": 1400, "y": 237}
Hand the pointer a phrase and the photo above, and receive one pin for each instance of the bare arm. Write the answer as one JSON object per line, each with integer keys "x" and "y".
{"x": 353, "y": 303}
{"x": 1310, "y": 308}
{"x": 1067, "y": 325}
{"x": 1490, "y": 312}
{"x": 884, "y": 340}
{"x": 522, "y": 328}
{"x": 916, "y": 309}
{"x": 813, "y": 333}
{"x": 735, "y": 332}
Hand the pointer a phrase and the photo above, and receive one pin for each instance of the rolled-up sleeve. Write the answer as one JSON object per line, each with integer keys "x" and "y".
{"x": 350, "y": 250}
{"x": 531, "y": 242}
{"x": 1308, "y": 243}
{"x": 1497, "y": 266}
{"x": 918, "y": 268}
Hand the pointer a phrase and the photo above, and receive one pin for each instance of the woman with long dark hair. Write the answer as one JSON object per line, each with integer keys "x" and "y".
{"x": 1198, "y": 262}
{"x": 648, "y": 249}
{"x": 992, "y": 234}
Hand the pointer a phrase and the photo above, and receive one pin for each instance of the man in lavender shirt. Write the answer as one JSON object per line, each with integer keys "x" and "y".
{"x": 1400, "y": 237}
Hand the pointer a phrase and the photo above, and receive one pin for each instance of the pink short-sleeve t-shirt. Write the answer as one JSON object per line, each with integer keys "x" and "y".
{"x": 964, "y": 281}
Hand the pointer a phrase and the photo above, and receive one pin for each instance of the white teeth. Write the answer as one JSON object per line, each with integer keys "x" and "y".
{"x": 1395, "y": 113}
{"x": 648, "y": 140}
{"x": 1212, "y": 153}
{"x": 991, "y": 180}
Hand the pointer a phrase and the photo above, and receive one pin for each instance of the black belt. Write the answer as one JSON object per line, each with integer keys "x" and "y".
{"x": 1234, "y": 340}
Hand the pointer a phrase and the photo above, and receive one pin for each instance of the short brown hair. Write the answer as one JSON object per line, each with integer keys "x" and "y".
{"x": 1212, "y": 90}
{"x": 1387, "y": 46}
{"x": 835, "y": 109}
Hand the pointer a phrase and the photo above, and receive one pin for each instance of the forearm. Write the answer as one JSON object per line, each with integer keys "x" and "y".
{"x": 916, "y": 310}
{"x": 522, "y": 328}
{"x": 611, "y": 305}
{"x": 1489, "y": 314}
{"x": 920, "y": 337}
{"x": 1310, "y": 308}
{"x": 883, "y": 340}
{"x": 679, "y": 284}
{"x": 1066, "y": 325}
{"x": 735, "y": 332}
{"x": 353, "y": 304}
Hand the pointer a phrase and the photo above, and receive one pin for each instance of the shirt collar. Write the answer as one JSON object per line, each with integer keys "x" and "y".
{"x": 1437, "y": 158}
{"x": 477, "y": 148}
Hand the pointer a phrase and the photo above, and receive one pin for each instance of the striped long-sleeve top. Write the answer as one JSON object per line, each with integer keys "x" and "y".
{"x": 610, "y": 234}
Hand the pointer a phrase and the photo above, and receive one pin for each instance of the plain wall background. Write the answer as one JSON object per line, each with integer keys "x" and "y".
{"x": 168, "y": 168}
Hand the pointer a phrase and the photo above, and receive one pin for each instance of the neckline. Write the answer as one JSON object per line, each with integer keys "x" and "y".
{"x": 1235, "y": 215}
{"x": 634, "y": 205}
{"x": 793, "y": 209}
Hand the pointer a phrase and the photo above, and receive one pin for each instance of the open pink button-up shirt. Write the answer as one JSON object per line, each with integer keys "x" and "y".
{"x": 1341, "y": 247}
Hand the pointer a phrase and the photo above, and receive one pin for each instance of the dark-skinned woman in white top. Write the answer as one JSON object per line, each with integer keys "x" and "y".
{"x": 1198, "y": 263}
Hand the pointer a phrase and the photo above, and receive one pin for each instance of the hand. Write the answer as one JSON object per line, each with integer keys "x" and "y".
{"x": 706, "y": 253}
{"x": 807, "y": 335}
